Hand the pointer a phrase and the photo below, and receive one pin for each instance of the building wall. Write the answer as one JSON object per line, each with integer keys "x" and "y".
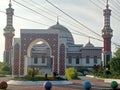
{"x": 28, "y": 38}
{"x": 58, "y": 50}
{"x": 31, "y": 62}
{"x": 82, "y": 62}
{"x": 91, "y": 62}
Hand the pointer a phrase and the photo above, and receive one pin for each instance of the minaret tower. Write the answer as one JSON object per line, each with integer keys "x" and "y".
{"x": 8, "y": 33}
{"x": 107, "y": 35}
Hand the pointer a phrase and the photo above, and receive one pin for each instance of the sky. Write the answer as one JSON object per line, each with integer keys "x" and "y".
{"x": 86, "y": 12}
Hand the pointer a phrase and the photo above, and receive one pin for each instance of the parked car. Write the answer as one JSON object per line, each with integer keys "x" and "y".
{"x": 80, "y": 74}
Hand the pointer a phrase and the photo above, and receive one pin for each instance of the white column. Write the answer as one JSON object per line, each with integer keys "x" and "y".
{"x": 25, "y": 64}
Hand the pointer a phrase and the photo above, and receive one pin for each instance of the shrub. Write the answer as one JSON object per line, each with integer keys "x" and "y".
{"x": 5, "y": 69}
{"x": 33, "y": 71}
{"x": 71, "y": 73}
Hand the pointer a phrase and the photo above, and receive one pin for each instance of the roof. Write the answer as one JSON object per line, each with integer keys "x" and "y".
{"x": 59, "y": 27}
{"x": 89, "y": 45}
{"x": 63, "y": 33}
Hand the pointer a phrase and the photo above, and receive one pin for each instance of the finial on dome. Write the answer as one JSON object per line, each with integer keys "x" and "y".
{"x": 107, "y": 6}
{"x": 89, "y": 40}
{"x": 57, "y": 19}
{"x": 10, "y": 4}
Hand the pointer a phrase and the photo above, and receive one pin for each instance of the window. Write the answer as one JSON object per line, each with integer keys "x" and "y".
{"x": 70, "y": 60}
{"x": 35, "y": 60}
{"x": 7, "y": 56}
{"x": 95, "y": 59}
{"x": 43, "y": 59}
{"x": 77, "y": 60}
{"x": 87, "y": 60}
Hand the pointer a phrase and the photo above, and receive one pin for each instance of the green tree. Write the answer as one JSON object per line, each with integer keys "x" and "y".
{"x": 115, "y": 65}
{"x": 5, "y": 68}
{"x": 117, "y": 53}
{"x": 115, "y": 62}
{"x": 1, "y": 65}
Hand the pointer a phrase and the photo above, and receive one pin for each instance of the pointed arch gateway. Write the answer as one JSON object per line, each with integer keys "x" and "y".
{"x": 34, "y": 58}
{"x": 29, "y": 38}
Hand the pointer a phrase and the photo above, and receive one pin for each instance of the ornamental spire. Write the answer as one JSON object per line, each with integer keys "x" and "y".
{"x": 10, "y": 4}
{"x": 89, "y": 39}
{"x": 57, "y": 19}
{"x": 107, "y": 5}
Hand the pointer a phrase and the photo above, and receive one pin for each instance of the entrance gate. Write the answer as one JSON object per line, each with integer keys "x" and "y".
{"x": 27, "y": 41}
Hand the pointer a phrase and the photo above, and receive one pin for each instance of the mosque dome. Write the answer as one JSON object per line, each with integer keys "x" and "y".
{"x": 89, "y": 44}
{"x": 64, "y": 33}
{"x": 59, "y": 27}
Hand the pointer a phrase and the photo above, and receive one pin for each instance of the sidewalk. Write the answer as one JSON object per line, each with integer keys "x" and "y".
{"x": 13, "y": 82}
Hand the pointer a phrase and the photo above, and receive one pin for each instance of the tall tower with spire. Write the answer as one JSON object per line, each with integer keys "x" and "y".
{"x": 9, "y": 34}
{"x": 107, "y": 35}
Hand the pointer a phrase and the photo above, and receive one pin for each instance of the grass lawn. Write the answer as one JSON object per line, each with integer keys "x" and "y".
{"x": 1, "y": 75}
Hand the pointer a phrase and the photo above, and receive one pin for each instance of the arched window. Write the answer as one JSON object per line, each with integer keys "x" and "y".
{"x": 87, "y": 59}
{"x": 43, "y": 59}
{"x": 95, "y": 59}
{"x": 35, "y": 60}
{"x": 69, "y": 60}
{"x": 77, "y": 60}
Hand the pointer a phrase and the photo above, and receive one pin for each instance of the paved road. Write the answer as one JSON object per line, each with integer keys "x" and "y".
{"x": 5, "y": 78}
{"x": 77, "y": 85}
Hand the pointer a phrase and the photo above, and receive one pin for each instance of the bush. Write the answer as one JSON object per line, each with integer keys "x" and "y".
{"x": 71, "y": 73}
{"x": 32, "y": 71}
{"x": 38, "y": 78}
{"x": 5, "y": 69}
{"x": 2, "y": 75}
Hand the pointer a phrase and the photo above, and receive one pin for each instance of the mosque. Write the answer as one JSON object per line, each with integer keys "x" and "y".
{"x": 49, "y": 50}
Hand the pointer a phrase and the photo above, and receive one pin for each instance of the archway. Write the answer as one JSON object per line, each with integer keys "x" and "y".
{"x": 39, "y": 56}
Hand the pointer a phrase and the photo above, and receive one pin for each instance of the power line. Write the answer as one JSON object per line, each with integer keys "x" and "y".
{"x": 63, "y": 20}
{"x": 43, "y": 7}
{"x": 27, "y": 7}
{"x": 114, "y": 16}
{"x": 33, "y": 10}
{"x": 36, "y": 4}
{"x": 70, "y": 17}
{"x": 26, "y": 19}
{"x": 47, "y": 25}
{"x": 60, "y": 9}
{"x": 77, "y": 33}
{"x": 95, "y": 4}
{"x": 73, "y": 18}
{"x": 116, "y": 5}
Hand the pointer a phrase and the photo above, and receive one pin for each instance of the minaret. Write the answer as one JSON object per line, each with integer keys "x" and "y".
{"x": 8, "y": 33}
{"x": 107, "y": 35}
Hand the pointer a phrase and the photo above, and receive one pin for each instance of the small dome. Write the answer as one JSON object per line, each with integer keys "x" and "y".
{"x": 64, "y": 33}
{"x": 59, "y": 27}
{"x": 89, "y": 44}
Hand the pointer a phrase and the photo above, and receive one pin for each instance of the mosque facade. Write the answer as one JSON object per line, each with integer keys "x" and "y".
{"x": 52, "y": 50}
{"x": 49, "y": 50}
